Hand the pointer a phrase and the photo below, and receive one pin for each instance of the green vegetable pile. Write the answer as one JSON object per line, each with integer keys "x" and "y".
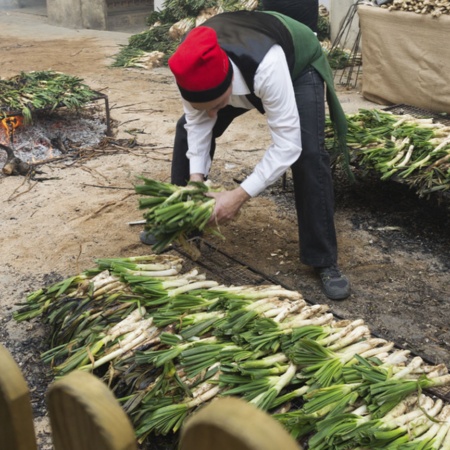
{"x": 415, "y": 151}
{"x": 175, "y": 213}
{"x": 27, "y": 92}
{"x": 167, "y": 340}
{"x": 157, "y": 38}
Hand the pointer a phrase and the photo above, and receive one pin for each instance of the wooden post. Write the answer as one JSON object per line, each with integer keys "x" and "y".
{"x": 230, "y": 423}
{"x": 85, "y": 415}
{"x": 16, "y": 415}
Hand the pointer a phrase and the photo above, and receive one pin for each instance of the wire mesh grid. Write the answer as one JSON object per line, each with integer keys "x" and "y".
{"x": 225, "y": 269}
{"x": 419, "y": 113}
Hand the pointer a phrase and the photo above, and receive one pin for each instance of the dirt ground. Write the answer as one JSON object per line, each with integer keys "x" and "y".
{"x": 394, "y": 247}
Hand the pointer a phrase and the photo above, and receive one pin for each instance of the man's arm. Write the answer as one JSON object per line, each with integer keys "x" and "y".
{"x": 199, "y": 128}
{"x": 273, "y": 85}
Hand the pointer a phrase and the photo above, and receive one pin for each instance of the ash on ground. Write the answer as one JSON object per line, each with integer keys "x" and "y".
{"x": 52, "y": 134}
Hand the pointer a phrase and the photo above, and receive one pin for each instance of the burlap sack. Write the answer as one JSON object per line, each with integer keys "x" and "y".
{"x": 406, "y": 58}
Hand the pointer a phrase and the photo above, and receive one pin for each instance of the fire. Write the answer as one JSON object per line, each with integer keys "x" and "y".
{"x": 10, "y": 123}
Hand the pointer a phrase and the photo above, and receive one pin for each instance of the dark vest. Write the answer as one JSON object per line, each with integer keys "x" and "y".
{"x": 247, "y": 37}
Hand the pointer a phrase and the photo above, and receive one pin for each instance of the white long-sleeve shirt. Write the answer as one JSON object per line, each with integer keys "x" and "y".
{"x": 273, "y": 85}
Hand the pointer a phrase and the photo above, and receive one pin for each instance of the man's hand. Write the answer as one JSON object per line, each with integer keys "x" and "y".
{"x": 228, "y": 204}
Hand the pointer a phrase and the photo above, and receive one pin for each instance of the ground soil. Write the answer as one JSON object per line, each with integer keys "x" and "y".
{"x": 393, "y": 246}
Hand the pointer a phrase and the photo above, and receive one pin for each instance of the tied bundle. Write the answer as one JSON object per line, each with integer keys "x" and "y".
{"x": 176, "y": 213}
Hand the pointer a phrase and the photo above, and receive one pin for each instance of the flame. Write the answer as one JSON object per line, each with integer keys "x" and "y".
{"x": 10, "y": 123}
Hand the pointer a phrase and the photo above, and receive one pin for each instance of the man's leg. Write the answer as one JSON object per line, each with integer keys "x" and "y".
{"x": 180, "y": 162}
{"x": 313, "y": 185}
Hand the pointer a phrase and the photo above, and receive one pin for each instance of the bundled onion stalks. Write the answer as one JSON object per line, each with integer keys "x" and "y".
{"x": 168, "y": 340}
{"x": 176, "y": 213}
{"x": 47, "y": 89}
{"x": 411, "y": 150}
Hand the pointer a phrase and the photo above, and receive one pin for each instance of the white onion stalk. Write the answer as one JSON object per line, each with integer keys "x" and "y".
{"x": 109, "y": 289}
{"x": 396, "y": 358}
{"x": 443, "y": 436}
{"x": 376, "y": 351}
{"x": 409, "y": 425}
{"x": 205, "y": 284}
{"x": 438, "y": 371}
{"x": 265, "y": 399}
{"x": 140, "y": 326}
{"x": 398, "y": 410}
{"x": 255, "y": 292}
{"x": 150, "y": 274}
{"x": 289, "y": 309}
{"x": 297, "y": 323}
{"x": 133, "y": 317}
{"x": 443, "y": 144}
{"x": 361, "y": 332}
{"x": 205, "y": 387}
{"x": 99, "y": 281}
{"x": 306, "y": 313}
{"x": 191, "y": 275}
{"x": 170, "y": 418}
{"x": 135, "y": 338}
{"x": 413, "y": 365}
{"x": 340, "y": 332}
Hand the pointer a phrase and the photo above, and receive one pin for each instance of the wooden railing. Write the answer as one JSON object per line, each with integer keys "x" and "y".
{"x": 85, "y": 415}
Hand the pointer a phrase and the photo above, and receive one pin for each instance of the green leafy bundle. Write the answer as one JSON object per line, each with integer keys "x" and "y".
{"x": 411, "y": 150}
{"x": 31, "y": 91}
{"x": 175, "y": 213}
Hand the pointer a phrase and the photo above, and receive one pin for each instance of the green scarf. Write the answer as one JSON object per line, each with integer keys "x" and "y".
{"x": 308, "y": 51}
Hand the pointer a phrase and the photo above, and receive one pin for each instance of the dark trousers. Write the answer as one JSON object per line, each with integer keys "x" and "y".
{"x": 313, "y": 186}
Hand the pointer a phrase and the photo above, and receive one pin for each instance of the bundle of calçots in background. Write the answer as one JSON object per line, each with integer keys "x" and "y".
{"x": 175, "y": 213}
{"x": 414, "y": 151}
{"x": 167, "y": 340}
{"x": 46, "y": 89}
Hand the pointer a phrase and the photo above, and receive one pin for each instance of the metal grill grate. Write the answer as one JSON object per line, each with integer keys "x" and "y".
{"x": 225, "y": 269}
{"x": 5, "y": 112}
{"x": 419, "y": 113}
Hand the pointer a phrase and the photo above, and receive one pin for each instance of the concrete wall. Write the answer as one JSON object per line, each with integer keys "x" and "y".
{"x": 27, "y": 3}
{"x": 94, "y": 14}
{"x": 7, "y": 4}
{"x": 338, "y": 12}
{"x": 159, "y": 4}
{"x": 76, "y": 14}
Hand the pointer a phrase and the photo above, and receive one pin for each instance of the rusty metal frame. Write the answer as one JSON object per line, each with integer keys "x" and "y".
{"x": 98, "y": 96}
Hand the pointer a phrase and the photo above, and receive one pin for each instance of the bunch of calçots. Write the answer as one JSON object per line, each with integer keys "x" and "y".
{"x": 175, "y": 213}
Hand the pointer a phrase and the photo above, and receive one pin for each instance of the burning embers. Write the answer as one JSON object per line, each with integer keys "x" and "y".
{"x": 48, "y": 137}
{"x": 13, "y": 165}
{"x": 44, "y": 115}
{"x": 10, "y": 123}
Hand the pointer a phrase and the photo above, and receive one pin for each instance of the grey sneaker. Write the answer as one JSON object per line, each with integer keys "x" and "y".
{"x": 147, "y": 238}
{"x": 335, "y": 285}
